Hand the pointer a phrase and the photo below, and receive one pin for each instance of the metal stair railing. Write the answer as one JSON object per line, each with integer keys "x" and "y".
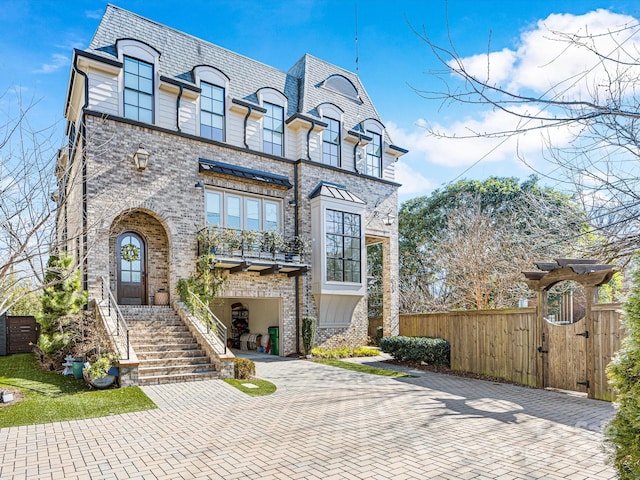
{"x": 114, "y": 321}
{"x": 208, "y": 324}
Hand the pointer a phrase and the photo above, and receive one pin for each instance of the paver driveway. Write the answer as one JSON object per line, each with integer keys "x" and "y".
{"x": 325, "y": 423}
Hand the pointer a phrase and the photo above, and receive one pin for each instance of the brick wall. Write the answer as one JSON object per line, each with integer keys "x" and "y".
{"x": 163, "y": 205}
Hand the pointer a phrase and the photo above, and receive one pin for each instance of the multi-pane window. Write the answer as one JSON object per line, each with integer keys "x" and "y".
{"x": 240, "y": 212}
{"x": 273, "y": 129}
{"x": 131, "y": 254}
{"x": 343, "y": 243}
{"x": 138, "y": 90}
{"x": 212, "y": 111}
{"x": 331, "y": 143}
{"x": 374, "y": 155}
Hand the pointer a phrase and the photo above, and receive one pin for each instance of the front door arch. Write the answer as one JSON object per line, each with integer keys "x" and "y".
{"x": 131, "y": 261}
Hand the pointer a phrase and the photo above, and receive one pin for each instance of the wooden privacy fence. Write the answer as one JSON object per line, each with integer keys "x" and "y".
{"x": 503, "y": 344}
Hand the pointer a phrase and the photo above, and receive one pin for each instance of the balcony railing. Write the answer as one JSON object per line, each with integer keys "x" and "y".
{"x": 251, "y": 244}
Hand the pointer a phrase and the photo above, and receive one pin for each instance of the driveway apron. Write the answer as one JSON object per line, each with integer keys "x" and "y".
{"x": 325, "y": 423}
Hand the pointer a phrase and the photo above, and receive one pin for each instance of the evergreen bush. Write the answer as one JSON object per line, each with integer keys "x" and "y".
{"x": 623, "y": 432}
{"x": 243, "y": 368}
{"x": 417, "y": 349}
{"x": 308, "y": 333}
{"x": 62, "y": 302}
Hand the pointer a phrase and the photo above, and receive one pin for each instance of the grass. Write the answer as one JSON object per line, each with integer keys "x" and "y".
{"x": 358, "y": 367}
{"x": 264, "y": 387}
{"x": 336, "y": 353}
{"x": 51, "y": 397}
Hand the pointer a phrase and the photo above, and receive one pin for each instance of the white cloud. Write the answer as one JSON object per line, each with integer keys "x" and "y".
{"x": 94, "y": 14}
{"x": 462, "y": 143}
{"x": 550, "y": 59}
{"x": 497, "y": 69}
{"x": 413, "y": 182}
{"x": 58, "y": 61}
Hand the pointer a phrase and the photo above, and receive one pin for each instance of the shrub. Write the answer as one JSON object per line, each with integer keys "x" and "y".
{"x": 336, "y": 353}
{"x": 417, "y": 349}
{"x": 623, "y": 432}
{"x": 379, "y": 334}
{"x": 308, "y": 333}
{"x": 243, "y": 368}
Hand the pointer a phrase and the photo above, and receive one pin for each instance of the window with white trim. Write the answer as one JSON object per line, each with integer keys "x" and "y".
{"x": 273, "y": 129}
{"x": 242, "y": 212}
{"x": 331, "y": 142}
{"x": 138, "y": 90}
{"x": 374, "y": 155}
{"x": 212, "y": 111}
{"x": 343, "y": 246}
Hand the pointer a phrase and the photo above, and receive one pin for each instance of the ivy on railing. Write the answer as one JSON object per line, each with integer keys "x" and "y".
{"x": 268, "y": 244}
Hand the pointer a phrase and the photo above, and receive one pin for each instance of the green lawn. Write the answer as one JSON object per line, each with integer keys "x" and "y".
{"x": 264, "y": 387}
{"x": 358, "y": 367}
{"x": 51, "y": 397}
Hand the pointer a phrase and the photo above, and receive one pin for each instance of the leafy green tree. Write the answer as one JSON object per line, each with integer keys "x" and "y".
{"x": 27, "y": 301}
{"x": 62, "y": 300}
{"x": 623, "y": 432}
{"x": 527, "y": 217}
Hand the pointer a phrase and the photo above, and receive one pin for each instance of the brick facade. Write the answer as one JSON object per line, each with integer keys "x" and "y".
{"x": 162, "y": 203}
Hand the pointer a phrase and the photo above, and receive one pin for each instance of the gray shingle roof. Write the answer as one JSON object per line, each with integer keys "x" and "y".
{"x": 180, "y": 53}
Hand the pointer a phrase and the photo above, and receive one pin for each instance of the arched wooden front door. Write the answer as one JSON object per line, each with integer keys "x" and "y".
{"x": 131, "y": 252}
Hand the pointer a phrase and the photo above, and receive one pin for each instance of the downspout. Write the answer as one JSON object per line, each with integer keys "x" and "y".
{"x": 355, "y": 152}
{"x": 83, "y": 153}
{"x": 178, "y": 107}
{"x": 313, "y": 125}
{"x": 296, "y": 227}
{"x": 246, "y": 120}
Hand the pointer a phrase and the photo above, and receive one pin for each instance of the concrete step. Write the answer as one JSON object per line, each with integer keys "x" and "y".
{"x": 169, "y": 354}
{"x": 174, "y": 370}
{"x": 163, "y": 347}
{"x": 162, "y": 379}
{"x": 162, "y": 333}
{"x": 174, "y": 362}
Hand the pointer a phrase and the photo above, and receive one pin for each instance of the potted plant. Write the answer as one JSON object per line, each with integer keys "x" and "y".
{"x": 233, "y": 241}
{"x": 296, "y": 249}
{"x": 249, "y": 242}
{"x": 209, "y": 238}
{"x": 267, "y": 245}
{"x": 102, "y": 372}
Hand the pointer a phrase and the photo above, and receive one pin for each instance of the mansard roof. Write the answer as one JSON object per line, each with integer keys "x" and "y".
{"x": 304, "y": 85}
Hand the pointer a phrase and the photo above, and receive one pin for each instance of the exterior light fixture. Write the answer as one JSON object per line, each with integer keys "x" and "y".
{"x": 388, "y": 220}
{"x": 141, "y": 158}
{"x": 199, "y": 185}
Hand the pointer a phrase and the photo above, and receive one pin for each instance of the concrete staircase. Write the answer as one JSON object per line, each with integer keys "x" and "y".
{"x": 165, "y": 347}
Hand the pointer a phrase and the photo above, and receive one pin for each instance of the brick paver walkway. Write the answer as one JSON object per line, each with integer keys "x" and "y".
{"x": 325, "y": 423}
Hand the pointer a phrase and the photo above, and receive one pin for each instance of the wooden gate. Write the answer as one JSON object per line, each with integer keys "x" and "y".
{"x": 565, "y": 360}
{"x": 22, "y": 334}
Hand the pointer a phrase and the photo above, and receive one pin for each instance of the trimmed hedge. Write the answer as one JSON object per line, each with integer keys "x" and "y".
{"x": 417, "y": 349}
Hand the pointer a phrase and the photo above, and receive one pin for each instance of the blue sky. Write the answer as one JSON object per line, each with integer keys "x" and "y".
{"x": 38, "y": 36}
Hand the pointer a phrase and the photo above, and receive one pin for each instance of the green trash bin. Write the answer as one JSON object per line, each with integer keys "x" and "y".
{"x": 77, "y": 369}
{"x": 274, "y": 336}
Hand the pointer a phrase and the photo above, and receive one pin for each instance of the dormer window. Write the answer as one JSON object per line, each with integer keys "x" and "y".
{"x": 138, "y": 90}
{"x": 374, "y": 155}
{"x": 343, "y": 86}
{"x": 331, "y": 143}
{"x": 212, "y": 111}
{"x": 273, "y": 129}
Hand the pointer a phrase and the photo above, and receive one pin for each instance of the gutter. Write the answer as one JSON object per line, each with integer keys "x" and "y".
{"x": 83, "y": 153}
{"x": 296, "y": 227}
